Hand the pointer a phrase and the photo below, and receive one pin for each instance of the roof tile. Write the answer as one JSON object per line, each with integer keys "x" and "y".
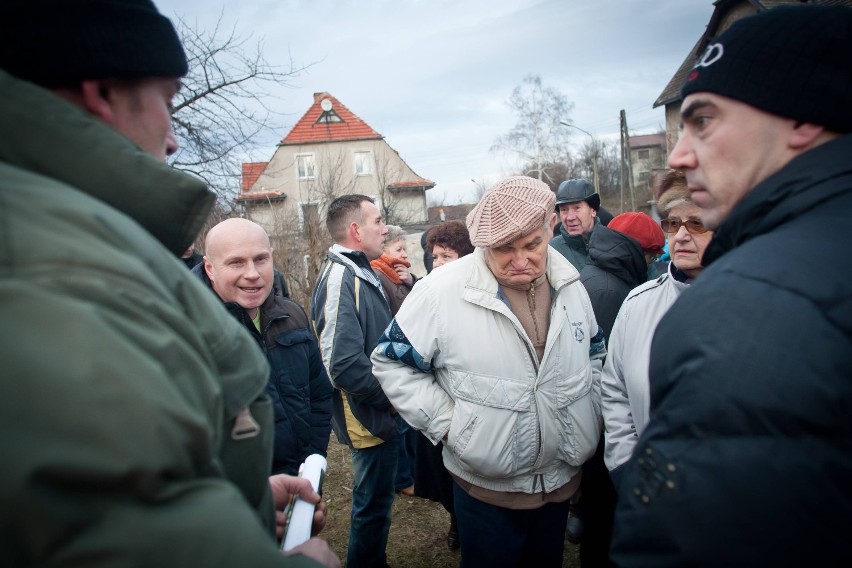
{"x": 314, "y": 127}
{"x": 252, "y": 171}
{"x": 261, "y": 196}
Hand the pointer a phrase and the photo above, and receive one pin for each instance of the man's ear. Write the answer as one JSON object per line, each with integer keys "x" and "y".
{"x": 95, "y": 98}
{"x": 804, "y": 134}
{"x": 552, "y": 222}
{"x": 355, "y": 232}
{"x": 208, "y": 268}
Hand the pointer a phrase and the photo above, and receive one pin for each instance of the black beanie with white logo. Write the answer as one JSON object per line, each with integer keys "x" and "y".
{"x": 792, "y": 61}
{"x": 60, "y": 42}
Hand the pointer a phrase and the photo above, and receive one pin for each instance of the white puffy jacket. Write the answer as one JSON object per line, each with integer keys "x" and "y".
{"x": 626, "y": 397}
{"x": 457, "y": 361}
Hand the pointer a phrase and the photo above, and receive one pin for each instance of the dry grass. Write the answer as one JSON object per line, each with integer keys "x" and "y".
{"x": 418, "y": 534}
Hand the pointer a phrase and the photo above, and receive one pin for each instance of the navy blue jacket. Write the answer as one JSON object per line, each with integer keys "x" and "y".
{"x": 298, "y": 384}
{"x": 349, "y": 313}
{"x": 747, "y": 458}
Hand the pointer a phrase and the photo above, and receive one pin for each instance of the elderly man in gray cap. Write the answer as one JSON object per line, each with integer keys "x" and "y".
{"x": 498, "y": 355}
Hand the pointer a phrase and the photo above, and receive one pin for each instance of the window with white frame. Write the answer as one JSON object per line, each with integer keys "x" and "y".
{"x": 363, "y": 163}
{"x": 305, "y": 166}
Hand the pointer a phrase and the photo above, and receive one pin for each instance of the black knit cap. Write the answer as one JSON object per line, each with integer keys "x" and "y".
{"x": 791, "y": 61}
{"x": 59, "y": 42}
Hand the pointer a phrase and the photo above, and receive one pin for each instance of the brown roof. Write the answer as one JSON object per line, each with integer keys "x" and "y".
{"x": 261, "y": 196}
{"x": 334, "y": 125}
{"x": 645, "y": 140}
{"x": 671, "y": 93}
{"x": 252, "y": 171}
{"x": 415, "y": 184}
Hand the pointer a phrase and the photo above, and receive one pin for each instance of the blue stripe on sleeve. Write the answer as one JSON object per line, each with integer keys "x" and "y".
{"x": 394, "y": 345}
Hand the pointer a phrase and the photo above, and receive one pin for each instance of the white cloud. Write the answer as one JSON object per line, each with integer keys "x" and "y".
{"x": 433, "y": 75}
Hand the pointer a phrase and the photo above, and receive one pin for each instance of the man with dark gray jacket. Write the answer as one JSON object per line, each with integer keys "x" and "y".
{"x": 747, "y": 457}
{"x": 577, "y": 204}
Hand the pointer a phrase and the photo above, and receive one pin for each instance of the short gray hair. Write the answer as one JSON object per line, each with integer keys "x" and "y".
{"x": 395, "y": 233}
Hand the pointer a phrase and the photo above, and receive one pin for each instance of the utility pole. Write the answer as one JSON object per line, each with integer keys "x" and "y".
{"x": 626, "y": 162}
{"x": 621, "y": 163}
{"x": 594, "y": 152}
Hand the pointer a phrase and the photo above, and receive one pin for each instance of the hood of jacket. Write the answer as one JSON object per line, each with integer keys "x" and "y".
{"x": 49, "y": 136}
{"x": 618, "y": 254}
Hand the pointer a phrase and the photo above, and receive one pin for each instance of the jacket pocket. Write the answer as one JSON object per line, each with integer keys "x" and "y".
{"x": 490, "y": 433}
{"x": 579, "y": 416}
{"x": 290, "y": 360}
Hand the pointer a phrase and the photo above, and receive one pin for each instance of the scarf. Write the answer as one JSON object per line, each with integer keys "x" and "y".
{"x": 385, "y": 264}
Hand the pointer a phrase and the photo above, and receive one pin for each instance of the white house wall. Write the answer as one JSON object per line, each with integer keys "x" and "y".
{"x": 335, "y": 167}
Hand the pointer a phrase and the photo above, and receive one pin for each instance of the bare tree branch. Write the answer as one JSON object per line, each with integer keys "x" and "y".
{"x": 224, "y": 104}
{"x": 537, "y": 138}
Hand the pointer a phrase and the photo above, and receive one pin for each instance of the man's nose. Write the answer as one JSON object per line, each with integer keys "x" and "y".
{"x": 681, "y": 157}
{"x": 251, "y": 272}
{"x": 171, "y": 143}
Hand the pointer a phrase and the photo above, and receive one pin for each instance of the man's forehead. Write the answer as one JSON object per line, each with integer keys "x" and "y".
{"x": 523, "y": 240}
{"x": 370, "y": 210}
{"x": 241, "y": 252}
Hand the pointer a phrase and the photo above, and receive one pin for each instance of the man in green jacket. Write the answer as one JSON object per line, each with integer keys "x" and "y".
{"x": 134, "y": 428}
{"x": 577, "y": 204}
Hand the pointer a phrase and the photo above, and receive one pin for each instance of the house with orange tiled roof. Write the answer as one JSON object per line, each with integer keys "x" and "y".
{"x": 330, "y": 152}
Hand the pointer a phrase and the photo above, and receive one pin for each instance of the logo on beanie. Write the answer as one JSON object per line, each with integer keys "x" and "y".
{"x": 711, "y": 55}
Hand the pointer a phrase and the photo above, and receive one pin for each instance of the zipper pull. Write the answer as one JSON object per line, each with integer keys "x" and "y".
{"x": 245, "y": 426}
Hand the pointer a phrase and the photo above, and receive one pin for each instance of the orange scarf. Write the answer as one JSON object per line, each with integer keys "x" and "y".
{"x": 385, "y": 263}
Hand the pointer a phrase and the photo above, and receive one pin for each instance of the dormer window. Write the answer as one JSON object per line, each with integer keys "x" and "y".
{"x": 328, "y": 115}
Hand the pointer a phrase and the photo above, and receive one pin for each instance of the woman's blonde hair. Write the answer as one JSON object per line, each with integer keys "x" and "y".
{"x": 673, "y": 191}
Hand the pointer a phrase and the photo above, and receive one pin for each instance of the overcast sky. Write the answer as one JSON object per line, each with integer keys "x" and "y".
{"x": 433, "y": 76}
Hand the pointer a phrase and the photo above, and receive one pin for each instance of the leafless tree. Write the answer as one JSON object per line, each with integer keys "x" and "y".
{"x": 537, "y": 139}
{"x": 391, "y": 204}
{"x": 553, "y": 173}
{"x": 224, "y": 103}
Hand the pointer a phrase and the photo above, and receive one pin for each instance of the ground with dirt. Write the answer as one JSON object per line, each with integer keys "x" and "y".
{"x": 418, "y": 534}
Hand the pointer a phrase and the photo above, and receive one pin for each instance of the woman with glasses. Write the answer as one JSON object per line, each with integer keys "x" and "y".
{"x": 624, "y": 383}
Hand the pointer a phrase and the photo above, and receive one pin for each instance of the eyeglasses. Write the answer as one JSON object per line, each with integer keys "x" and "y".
{"x": 672, "y": 225}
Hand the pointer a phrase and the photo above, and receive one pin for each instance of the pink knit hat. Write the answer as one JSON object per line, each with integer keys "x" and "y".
{"x": 642, "y": 228}
{"x": 511, "y": 209}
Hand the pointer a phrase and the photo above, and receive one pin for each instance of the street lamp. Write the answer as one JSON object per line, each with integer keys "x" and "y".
{"x": 594, "y": 151}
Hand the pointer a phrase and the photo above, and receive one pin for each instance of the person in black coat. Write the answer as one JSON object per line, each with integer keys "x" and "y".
{"x": 445, "y": 243}
{"x": 747, "y": 456}
{"x": 238, "y": 268}
{"x": 619, "y": 255}
{"x": 190, "y": 257}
